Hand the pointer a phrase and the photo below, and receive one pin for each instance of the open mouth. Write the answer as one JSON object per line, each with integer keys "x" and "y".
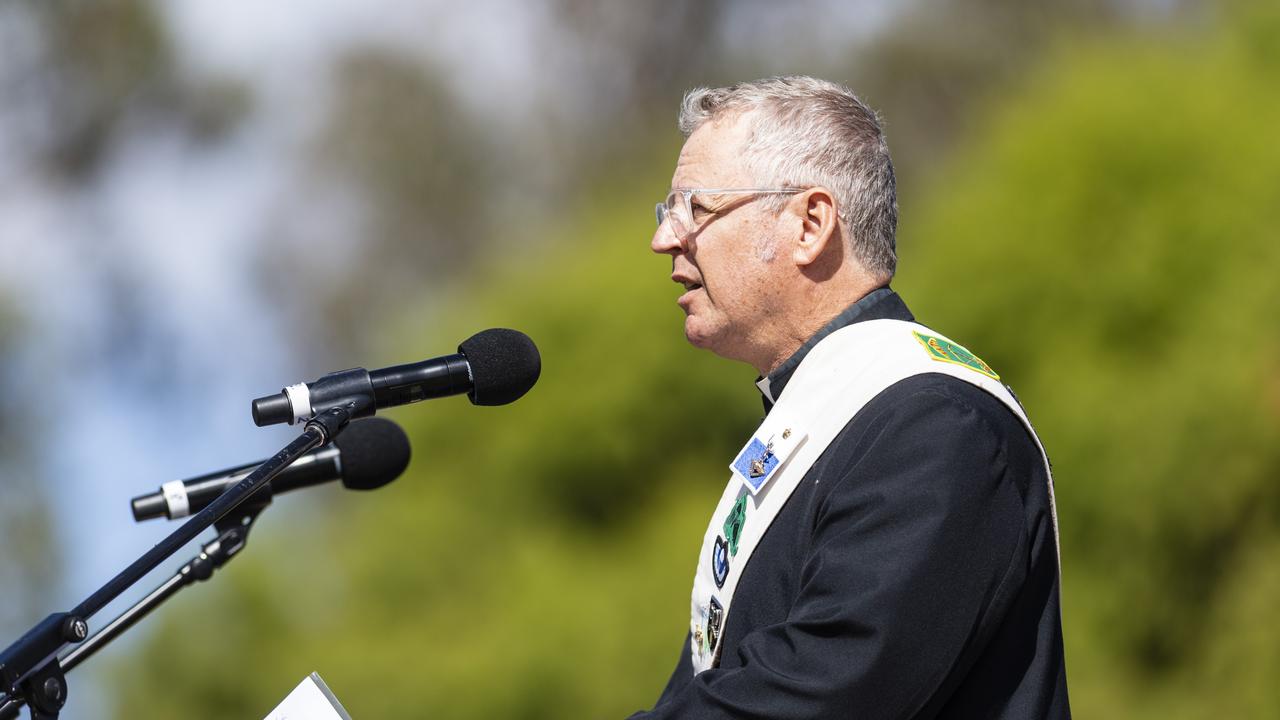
{"x": 691, "y": 286}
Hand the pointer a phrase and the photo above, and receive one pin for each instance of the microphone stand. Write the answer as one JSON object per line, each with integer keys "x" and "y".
{"x": 31, "y": 671}
{"x": 233, "y": 533}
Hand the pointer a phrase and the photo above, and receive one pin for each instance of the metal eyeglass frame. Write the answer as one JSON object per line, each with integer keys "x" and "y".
{"x": 667, "y": 209}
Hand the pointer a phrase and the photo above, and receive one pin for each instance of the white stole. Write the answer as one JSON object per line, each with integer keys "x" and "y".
{"x": 839, "y": 376}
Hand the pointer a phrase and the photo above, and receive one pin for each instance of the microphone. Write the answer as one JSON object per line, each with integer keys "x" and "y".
{"x": 493, "y": 367}
{"x": 367, "y": 455}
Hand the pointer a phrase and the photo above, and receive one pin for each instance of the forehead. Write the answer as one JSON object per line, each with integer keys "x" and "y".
{"x": 712, "y": 156}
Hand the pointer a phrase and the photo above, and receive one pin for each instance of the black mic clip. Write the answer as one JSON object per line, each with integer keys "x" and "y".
{"x": 331, "y": 422}
{"x": 351, "y": 389}
{"x": 30, "y": 670}
{"x": 233, "y": 533}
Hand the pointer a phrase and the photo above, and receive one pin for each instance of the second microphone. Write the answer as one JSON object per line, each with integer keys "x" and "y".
{"x": 367, "y": 455}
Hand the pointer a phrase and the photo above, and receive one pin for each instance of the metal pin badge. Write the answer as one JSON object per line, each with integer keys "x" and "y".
{"x": 757, "y": 465}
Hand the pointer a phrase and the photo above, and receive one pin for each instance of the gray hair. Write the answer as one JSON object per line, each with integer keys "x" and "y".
{"x": 806, "y": 132}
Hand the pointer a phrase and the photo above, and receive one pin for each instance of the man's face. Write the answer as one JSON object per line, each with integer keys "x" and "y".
{"x": 731, "y": 288}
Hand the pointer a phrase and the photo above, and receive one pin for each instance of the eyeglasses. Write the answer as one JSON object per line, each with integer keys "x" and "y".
{"x": 685, "y": 221}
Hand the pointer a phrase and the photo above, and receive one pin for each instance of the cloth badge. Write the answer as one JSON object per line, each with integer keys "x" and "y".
{"x": 734, "y": 522}
{"x": 720, "y": 561}
{"x": 943, "y": 350}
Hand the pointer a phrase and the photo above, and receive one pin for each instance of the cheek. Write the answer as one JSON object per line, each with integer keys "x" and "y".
{"x": 737, "y": 267}
{"x": 757, "y": 290}
{"x": 738, "y": 293}
{"x": 766, "y": 249}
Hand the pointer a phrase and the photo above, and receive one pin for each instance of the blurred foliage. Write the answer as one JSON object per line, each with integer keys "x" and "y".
{"x": 104, "y": 65}
{"x": 1104, "y": 236}
{"x": 435, "y": 185}
{"x": 82, "y": 81}
{"x": 639, "y": 53}
{"x": 29, "y": 557}
{"x": 1110, "y": 241}
{"x": 945, "y": 57}
{"x": 395, "y": 143}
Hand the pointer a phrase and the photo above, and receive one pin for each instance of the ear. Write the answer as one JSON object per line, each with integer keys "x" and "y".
{"x": 820, "y": 221}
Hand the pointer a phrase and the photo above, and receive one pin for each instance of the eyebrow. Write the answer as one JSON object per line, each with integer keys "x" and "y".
{"x": 691, "y": 186}
{"x": 717, "y": 201}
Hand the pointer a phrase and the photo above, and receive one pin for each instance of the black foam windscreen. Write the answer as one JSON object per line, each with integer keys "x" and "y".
{"x": 504, "y": 365}
{"x": 373, "y": 451}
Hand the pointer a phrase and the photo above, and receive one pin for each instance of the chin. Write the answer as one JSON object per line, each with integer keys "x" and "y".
{"x": 719, "y": 339}
{"x": 699, "y": 335}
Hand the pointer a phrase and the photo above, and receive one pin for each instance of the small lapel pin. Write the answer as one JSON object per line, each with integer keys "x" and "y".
{"x": 757, "y": 465}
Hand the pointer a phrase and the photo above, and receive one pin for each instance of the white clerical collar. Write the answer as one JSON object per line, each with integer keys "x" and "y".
{"x": 856, "y": 312}
{"x": 763, "y": 385}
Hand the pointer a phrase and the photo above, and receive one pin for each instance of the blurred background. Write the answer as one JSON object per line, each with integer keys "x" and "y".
{"x": 201, "y": 202}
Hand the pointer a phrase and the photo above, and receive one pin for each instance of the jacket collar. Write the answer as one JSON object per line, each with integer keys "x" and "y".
{"x": 879, "y": 304}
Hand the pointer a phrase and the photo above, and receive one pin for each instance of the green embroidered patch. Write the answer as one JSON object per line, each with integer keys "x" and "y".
{"x": 944, "y": 350}
{"x": 733, "y": 524}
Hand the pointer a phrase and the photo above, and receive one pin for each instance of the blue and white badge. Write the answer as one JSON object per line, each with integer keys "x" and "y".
{"x": 720, "y": 561}
{"x": 758, "y": 461}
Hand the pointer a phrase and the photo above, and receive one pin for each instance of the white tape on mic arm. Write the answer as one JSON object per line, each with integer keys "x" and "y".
{"x": 299, "y": 401}
{"x": 175, "y": 499}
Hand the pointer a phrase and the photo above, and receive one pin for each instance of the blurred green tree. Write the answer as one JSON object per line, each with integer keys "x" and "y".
{"x": 421, "y": 179}
{"x": 102, "y": 66}
{"x": 1111, "y": 240}
{"x": 933, "y": 70}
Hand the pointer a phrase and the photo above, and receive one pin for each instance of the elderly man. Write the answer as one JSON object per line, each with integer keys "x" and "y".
{"x": 886, "y": 546}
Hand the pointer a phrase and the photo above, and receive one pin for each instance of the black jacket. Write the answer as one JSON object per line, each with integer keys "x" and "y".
{"x": 913, "y": 573}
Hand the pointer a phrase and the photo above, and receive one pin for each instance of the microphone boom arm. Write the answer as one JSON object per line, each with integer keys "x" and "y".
{"x": 233, "y": 533}
{"x": 30, "y": 669}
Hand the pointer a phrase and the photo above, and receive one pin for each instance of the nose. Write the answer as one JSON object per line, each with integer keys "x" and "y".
{"x": 665, "y": 241}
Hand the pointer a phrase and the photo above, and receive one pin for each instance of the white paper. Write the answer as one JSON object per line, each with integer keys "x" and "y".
{"x": 311, "y": 700}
